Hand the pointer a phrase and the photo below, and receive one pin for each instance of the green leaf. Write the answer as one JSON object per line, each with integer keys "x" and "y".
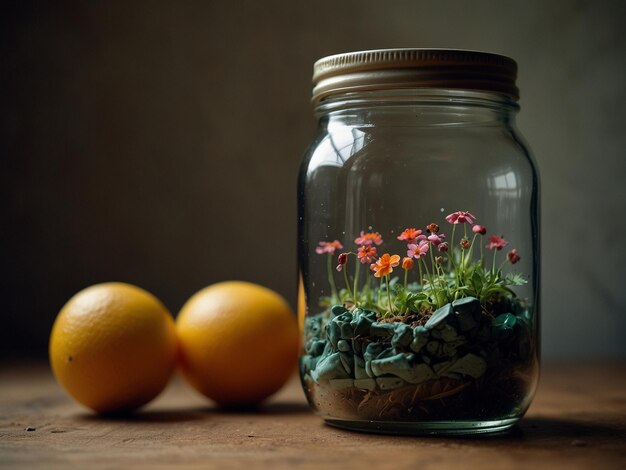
{"x": 515, "y": 279}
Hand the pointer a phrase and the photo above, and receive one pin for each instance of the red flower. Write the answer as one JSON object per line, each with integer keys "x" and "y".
{"x": 369, "y": 238}
{"x": 367, "y": 254}
{"x": 513, "y": 256}
{"x": 328, "y": 247}
{"x": 496, "y": 243}
{"x": 460, "y": 217}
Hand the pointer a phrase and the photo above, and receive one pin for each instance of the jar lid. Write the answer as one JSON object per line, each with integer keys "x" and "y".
{"x": 386, "y": 69}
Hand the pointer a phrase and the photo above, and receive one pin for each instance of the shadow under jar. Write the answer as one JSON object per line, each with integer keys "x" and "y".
{"x": 418, "y": 245}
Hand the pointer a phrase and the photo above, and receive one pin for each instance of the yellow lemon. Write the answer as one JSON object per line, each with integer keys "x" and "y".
{"x": 238, "y": 342}
{"x": 113, "y": 347}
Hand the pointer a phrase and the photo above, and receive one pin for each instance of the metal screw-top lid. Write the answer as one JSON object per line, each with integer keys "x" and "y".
{"x": 387, "y": 69}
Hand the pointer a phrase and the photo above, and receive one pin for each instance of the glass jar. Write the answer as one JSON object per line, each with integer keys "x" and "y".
{"x": 418, "y": 245}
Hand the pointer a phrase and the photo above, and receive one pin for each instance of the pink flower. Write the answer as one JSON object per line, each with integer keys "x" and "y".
{"x": 411, "y": 235}
{"x": 436, "y": 239}
{"x": 460, "y": 217}
{"x": 496, "y": 243}
{"x": 513, "y": 256}
{"x": 369, "y": 238}
{"x": 442, "y": 247}
{"x": 342, "y": 259}
{"x": 367, "y": 254}
{"x": 328, "y": 247}
{"x": 417, "y": 251}
{"x": 479, "y": 229}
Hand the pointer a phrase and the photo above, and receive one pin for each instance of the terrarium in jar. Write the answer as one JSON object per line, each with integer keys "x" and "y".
{"x": 418, "y": 245}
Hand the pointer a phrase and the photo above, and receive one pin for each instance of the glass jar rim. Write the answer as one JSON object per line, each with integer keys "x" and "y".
{"x": 402, "y": 68}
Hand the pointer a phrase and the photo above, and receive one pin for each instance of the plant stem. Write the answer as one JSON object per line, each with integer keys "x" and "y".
{"x": 493, "y": 265}
{"x": 389, "y": 294}
{"x": 331, "y": 279}
{"x": 430, "y": 278}
{"x": 442, "y": 274}
{"x": 419, "y": 266}
{"x": 482, "y": 256}
{"x": 356, "y": 279}
{"x": 450, "y": 258}
{"x": 345, "y": 278}
{"x": 471, "y": 248}
{"x": 406, "y": 278}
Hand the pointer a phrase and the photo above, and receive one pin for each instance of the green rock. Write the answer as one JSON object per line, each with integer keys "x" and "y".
{"x": 330, "y": 367}
{"x": 389, "y": 383}
{"x": 418, "y": 373}
{"x": 305, "y": 363}
{"x": 362, "y": 326}
{"x": 391, "y": 365}
{"x": 357, "y": 346}
{"x": 347, "y": 362}
{"x": 344, "y": 346}
{"x": 467, "y": 311}
{"x": 338, "y": 384}
{"x": 337, "y": 310}
{"x": 402, "y": 336}
{"x": 359, "y": 368}
{"x": 448, "y": 349}
{"x": 445, "y": 332}
{"x": 313, "y": 327}
{"x": 333, "y": 333}
{"x": 440, "y": 316}
{"x": 420, "y": 338}
{"x": 506, "y": 321}
{"x": 365, "y": 384}
{"x": 470, "y": 364}
{"x": 504, "y": 325}
{"x": 466, "y": 304}
{"x": 347, "y": 332}
{"x": 382, "y": 329}
{"x": 433, "y": 348}
{"x": 315, "y": 347}
{"x": 344, "y": 317}
{"x": 376, "y": 351}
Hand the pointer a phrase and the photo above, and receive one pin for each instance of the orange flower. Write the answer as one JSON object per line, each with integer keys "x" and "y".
{"x": 385, "y": 264}
{"x": 407, "y": 263}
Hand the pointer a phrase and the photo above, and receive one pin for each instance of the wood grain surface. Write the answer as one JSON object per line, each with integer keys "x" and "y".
{"x": 578, "y": 420}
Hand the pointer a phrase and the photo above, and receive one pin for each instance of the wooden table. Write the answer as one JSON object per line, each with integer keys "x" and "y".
{"x": 578, "y": 420}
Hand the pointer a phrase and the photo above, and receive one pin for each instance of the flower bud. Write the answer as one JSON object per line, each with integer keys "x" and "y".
{"x": 479, "y": 229}
{"x": 513, "y": 256}
{"x": 465, "y": 244}
{"x": 432, "y": 228}
{"x": 342, "y": 259}
{"x": 443, "y": 247}
{"x": 407, "y": 263}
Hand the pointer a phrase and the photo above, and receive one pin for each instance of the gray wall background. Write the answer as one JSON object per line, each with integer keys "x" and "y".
{"x": 158, "y": 143}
